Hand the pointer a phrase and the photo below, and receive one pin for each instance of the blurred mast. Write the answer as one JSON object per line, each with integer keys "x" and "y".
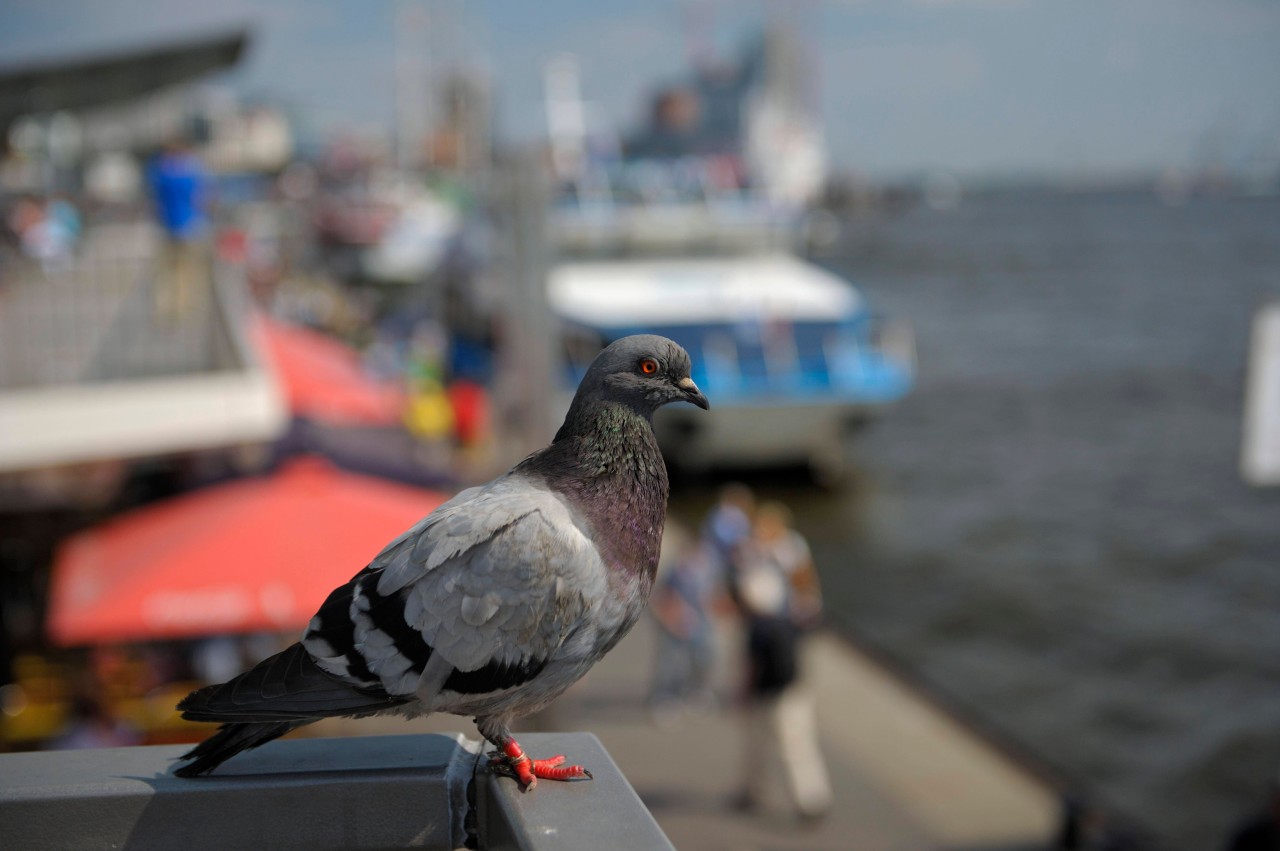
{"x": 410, "y": 55}
{"x": 530, "y": 336}
{"x": 566, "y": 116}
{"x": 699, "y": 18}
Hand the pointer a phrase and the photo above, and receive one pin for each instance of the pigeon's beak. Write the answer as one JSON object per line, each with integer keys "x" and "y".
{"x": 692, "y": 393}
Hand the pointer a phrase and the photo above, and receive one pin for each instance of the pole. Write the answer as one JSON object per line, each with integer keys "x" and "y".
{"x": 530, "y": 336}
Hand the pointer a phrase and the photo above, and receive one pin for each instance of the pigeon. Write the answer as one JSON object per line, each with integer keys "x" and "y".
{"x": 496, "y": 602}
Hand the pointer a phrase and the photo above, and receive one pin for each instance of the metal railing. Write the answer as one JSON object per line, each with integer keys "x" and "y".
{"x": 131, "y": 348}
{"x": 125, "y": 307}
{"x": 355, "y": 794}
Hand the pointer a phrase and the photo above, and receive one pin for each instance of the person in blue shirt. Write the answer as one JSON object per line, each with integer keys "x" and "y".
{"x": 178, "y": 184}
{"x": 179, "y": 188}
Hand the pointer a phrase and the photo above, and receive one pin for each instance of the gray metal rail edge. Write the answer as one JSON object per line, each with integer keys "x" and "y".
{"x": 356, "y": 794}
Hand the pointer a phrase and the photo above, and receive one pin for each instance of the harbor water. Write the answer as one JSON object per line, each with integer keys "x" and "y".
{"x": 1053, "y": 528}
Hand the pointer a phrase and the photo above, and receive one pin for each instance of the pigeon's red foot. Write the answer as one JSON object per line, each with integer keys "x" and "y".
{"x": 514, "y": 762}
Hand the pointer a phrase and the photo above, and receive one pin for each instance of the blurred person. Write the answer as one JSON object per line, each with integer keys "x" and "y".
{"x": 1087, "y": 827}
{"x": 217, "y": 659}
{"x": 682, "y": 605}
{"x": 44, "y": 233}
{"x": 212, "y": 657}
{"x": 675, "y": 119}
{"x": 1261, "y": 831}
{"x": 776, "y": 588}
{"x": 24, "y": 213}
{"x": 179, "y": 187}
{"x": 429, "y": 415}
{"x": 93, "y": 726}
{"x": 62, "y": 210}
{"x": 472, "y": 426}
{"x": 728, "y": 523}
{"x": 386, "y": 357}
{"x": 469, "y": 401}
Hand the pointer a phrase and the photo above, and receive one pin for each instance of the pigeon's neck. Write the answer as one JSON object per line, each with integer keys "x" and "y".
{"x": 607, "y": 463}
{"x": 589, "y": 414}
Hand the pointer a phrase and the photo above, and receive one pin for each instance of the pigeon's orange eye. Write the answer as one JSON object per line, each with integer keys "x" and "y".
{"x": 648, "y": 366}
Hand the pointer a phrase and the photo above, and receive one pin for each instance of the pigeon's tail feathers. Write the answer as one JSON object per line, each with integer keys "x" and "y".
{"x": 287, "y": 687}
{"x": 230, "y": 740}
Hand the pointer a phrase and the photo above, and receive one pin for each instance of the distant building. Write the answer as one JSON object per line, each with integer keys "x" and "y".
{"x": 90, "y": 373}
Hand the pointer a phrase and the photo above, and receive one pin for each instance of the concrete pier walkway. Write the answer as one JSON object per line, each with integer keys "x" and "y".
{"x": 906, "y": 776}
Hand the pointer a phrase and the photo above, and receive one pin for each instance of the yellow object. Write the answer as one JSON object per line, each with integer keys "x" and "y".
{"x": 429, "y": 415}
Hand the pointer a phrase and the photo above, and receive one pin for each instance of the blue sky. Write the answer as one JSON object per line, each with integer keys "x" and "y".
{"x": 975, "y": 87}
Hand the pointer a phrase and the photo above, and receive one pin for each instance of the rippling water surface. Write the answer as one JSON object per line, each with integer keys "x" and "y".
{"x": 1053, "y": 528}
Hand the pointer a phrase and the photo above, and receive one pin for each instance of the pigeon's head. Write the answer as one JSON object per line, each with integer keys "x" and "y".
{"x": 644, "y": 371}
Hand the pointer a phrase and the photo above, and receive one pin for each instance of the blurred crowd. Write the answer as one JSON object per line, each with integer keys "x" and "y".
{"x": 407, "y": 359}
{"x": 116, "y": 695}
{"x": 746, "y": 564}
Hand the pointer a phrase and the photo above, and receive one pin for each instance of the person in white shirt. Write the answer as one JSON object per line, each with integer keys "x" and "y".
{"x": 776, "y": 588}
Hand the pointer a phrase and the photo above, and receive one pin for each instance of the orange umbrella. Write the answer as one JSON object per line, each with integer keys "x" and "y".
{"x": 255, "y": 554}
{"x": 322, "y": 378}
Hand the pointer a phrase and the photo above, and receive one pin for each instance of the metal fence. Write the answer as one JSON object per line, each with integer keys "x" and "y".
{"x": 125, "y": 306}
{"x": 356, "y": 794}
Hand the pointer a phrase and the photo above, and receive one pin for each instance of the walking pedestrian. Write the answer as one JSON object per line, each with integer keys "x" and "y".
{"x": 179, "y": 186}
{"x": 776, "y": 588}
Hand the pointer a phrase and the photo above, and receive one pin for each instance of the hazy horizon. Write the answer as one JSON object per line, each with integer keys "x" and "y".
{"x": 975, "y": 88}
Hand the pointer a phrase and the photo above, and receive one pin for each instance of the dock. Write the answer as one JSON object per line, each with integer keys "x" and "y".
{"x": 907, "y": 775}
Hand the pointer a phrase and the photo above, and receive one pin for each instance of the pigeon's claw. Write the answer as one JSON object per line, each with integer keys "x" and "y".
{"x": 519, "y": 769}
{"x": 513, "y": 762}
{"x": 555, "y": 769}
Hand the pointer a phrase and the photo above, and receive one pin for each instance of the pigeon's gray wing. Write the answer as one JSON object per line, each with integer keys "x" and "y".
{"x": 486, "y": 589}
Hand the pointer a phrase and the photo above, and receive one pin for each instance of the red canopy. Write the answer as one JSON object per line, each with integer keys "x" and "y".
{"x": 323, "y": 380}
{"x": 256, "y": 554}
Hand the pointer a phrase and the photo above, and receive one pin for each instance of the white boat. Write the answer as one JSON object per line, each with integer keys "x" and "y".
{"x": 689, "y": 235}
{"x": 790, "y": 354}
